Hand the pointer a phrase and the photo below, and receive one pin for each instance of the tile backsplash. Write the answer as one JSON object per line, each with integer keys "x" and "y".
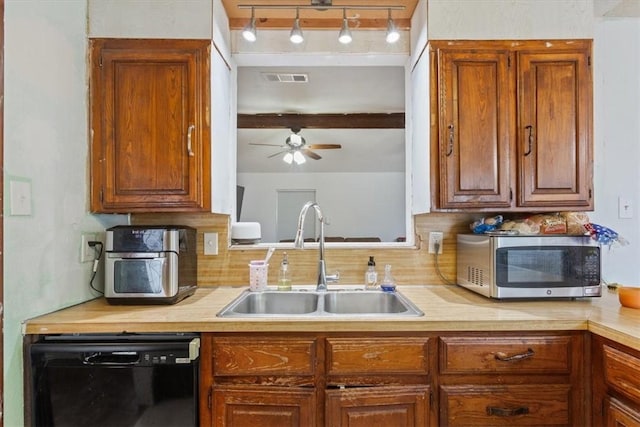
{"x": 410, "y": 265}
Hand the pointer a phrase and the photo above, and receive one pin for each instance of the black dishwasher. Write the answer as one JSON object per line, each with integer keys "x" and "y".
{"x": 115, "y": 380}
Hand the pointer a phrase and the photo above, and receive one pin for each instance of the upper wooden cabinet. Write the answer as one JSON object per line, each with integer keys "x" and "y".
{"x": 150, "y": 148}
{"x": 514, "y": 128}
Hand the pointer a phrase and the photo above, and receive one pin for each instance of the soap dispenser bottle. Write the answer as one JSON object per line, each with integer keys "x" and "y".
{"x": 284, "y": 275}
{"x": 371, "y": 276}
{"x": 388, "y": 283}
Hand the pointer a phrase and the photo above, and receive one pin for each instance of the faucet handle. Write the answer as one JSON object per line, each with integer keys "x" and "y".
{"x": 333, "y": 277}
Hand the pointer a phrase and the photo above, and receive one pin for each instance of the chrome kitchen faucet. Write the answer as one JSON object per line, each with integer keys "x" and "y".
{"x": 299, "y": 243}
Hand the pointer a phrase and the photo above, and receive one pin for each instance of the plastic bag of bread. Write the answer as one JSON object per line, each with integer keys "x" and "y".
{"x": 576, "y": 222}
{"x": 550, "y": 223}
{"x": 521, "y": 226}
{"x": 484, "y": 225}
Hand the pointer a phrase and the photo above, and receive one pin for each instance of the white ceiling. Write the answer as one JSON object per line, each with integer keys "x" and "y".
{"x": 338, "y": 89}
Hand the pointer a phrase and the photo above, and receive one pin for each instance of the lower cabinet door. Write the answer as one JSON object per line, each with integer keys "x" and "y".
{"x": 264, "y": 406}
{"x": 385, "y": 406}
{"x": 505, "y": 405}
{"x": 620, "y": 415}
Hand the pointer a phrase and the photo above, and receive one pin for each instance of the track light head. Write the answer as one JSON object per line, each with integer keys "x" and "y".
{"x": 296, "y": 32}
{"x": 249, "y": 30}
{"x": 345, "y": 33}
{"x": 393, "y": 35}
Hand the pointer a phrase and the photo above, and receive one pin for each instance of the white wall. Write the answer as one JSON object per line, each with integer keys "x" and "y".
{"x": 617, "y": 141}
{"x": 515, "y": 19}
{"x": 189, "y": 19}
{"x": 45, "y": 143}
{"x": 371, "y": 205}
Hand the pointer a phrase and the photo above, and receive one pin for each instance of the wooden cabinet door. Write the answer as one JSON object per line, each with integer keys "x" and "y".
{"x": 620, "y": 415}
{"x": 475, "y": 103}
{"x": 554, "y": 129}
{"x": 378, "y": 406}
{"x": 250, "y": 406}
{"x": 506, "y": 405}
{"x": 150, "y": 130}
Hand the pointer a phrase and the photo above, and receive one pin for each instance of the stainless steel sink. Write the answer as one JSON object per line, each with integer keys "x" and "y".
{"x": 332, "y": 303}
{"x": 367, "y": 303}
{"x": 272, "y": 303}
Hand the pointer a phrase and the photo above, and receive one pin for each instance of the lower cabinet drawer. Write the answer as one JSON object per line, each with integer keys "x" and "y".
{"x": 508, "y": 355}
{"x": 239, "y": 356}
{"x": 509, "y": 405}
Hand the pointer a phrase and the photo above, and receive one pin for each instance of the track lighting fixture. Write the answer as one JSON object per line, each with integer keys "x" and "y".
{"x": 345, "y": 34}
{"x": 249, "y": 30}
{"x": 296, "y": 36}
{"x": 393, "y": 35}
{"x": 296, "y": 32}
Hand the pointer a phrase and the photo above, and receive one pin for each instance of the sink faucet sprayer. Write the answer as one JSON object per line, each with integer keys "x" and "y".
{"x": 299, "y": 243}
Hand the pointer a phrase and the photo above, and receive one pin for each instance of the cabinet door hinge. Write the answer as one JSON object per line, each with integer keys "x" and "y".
{"x": 210, "y": 398}
{"x": 589, "y": 60}
{"x": 511, "y": 194}
{"x": 101, "y": 194}
{"x": 589, "y": 193}
{"x": 509, "y": 61}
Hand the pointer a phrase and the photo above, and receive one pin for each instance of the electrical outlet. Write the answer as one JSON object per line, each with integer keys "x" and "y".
{"x": 435, "y": 237}
{"x": 87, "y": 253}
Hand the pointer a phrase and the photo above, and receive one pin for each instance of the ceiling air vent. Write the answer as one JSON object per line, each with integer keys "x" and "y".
{"x": 285, "y": 77}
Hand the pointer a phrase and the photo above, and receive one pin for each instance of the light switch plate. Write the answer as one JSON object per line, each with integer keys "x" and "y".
{"x": 20, "y": 197}
{"x": 625, "y": 208}
{"x": 210, "y": 243}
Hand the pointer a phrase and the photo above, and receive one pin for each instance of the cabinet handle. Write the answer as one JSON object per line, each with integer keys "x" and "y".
{"x": 189, "y": 132}
{"x": 504, "y": 358}
{"x": 450, "y": 148}
{"x": 507, "y": 412}
{"x": 530, "y": 139}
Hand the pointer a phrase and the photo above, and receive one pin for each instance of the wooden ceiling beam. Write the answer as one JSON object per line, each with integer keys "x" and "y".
{"x": 322, "y": 121}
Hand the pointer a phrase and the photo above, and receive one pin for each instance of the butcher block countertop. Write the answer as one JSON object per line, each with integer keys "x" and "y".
{"x": 446, "y": 308}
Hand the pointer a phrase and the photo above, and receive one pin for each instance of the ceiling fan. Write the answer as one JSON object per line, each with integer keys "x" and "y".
{"x": 296, "y": 149}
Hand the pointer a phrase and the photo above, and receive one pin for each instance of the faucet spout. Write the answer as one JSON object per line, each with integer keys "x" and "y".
{"x": 299, "y": 242}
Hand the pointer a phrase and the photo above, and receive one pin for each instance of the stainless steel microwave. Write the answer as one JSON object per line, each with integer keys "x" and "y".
{"x": 542, "y": 266}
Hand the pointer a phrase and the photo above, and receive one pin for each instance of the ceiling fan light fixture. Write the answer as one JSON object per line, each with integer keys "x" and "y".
{"x": 249, "y": 30}
{"x": 296, "y": 32}
{"x": 393, "y": 35}
{"x": 288, "y": 158}
{"x": 298, "y": 157}
{"x": 345, "y": 33}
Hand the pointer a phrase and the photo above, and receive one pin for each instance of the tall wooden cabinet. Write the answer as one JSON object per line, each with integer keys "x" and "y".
{"x": 514, "y": 128}
{"x": 150, "y": 130}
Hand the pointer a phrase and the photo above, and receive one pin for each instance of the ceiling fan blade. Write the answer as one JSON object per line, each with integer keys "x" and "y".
{"x": 276, "y": 154}
{"x": 323, "y": 146}
{"x": 311, "y": 154}
{"x": 267, "y": 145}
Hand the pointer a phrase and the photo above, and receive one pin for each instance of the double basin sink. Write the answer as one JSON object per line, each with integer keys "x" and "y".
{"x": 304, "y": 303}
